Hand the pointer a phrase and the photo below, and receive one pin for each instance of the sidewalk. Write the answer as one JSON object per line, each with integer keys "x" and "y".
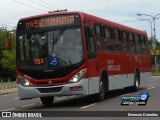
{"x": 7, "y": 91}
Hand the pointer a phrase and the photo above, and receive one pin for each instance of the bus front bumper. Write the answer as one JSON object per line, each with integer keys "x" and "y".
{"x": 79, "y": 88}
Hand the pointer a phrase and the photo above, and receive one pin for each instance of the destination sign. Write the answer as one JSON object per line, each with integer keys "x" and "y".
{"x": 50, "y": 21}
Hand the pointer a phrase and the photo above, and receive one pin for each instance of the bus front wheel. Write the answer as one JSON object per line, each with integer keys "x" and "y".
{"x": 47, "y": 101}
{"x": 102, "y": 91}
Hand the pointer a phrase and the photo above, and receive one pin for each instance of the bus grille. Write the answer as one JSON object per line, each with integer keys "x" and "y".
{"x": 50, "y": 90}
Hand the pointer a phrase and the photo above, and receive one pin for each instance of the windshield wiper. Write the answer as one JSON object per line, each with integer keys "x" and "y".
{"x": 58, "y": 36}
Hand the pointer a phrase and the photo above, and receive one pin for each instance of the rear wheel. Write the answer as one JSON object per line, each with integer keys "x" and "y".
{"x": 47, "y": 101}
{"x": 136, "y": 82}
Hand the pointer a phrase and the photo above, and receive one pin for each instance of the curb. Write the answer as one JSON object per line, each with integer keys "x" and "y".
{"x": 7, "y": 91}
{"x": 155, "y": 76}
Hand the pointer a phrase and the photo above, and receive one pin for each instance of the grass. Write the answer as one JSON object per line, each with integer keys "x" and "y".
{"x": 156, "y": 73}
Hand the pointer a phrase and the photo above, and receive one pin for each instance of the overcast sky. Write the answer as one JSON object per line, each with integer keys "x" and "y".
{"x": 114, "y": 10}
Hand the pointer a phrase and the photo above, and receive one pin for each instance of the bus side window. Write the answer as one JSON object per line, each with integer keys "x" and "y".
{"x": 99, "y": 37}
{"x": 124, "y": 42}
{"x": 131, "y": 43}
{"x": 124, "y": 36}
{"x": 90, "y": 42}
{"x": 108, "y": 41}
{"x": 136, "y": 44}
{"x": 117, "y": 41}
{"x": 139, "y": 44}
{"x": 116, "y": 34}
{"x": 107, "y": 34}
{"x": 144, "y": 46}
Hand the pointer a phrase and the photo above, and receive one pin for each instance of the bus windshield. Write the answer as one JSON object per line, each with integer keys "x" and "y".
{"x": 52, "y": 49}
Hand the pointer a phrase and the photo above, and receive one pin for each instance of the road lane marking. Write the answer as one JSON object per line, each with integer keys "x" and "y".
{"x": 150, "y": 88}
{"x": 88, "y": 106}
{"x": 72, "y": 96}
{"x": 16, "y": 98}
{"x": 61, "y": 98}
{"x": 9, "y": 109}
{"x": 125, "y": 95}
{"x": 27, "y": 105}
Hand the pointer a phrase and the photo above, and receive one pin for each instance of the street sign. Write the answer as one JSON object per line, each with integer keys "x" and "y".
{"x": 157, "y": 52}
{"x": 152, "y": 52}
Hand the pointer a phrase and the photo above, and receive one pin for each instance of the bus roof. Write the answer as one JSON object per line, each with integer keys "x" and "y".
{"x": 92, "y": 18}
{"x": 112, "y": 24}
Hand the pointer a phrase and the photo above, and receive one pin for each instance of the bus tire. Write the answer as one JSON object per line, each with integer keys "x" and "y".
{"x": 47, "y": 101}
{"x": 102, "y": 90}
{"x": 136, "y": 82}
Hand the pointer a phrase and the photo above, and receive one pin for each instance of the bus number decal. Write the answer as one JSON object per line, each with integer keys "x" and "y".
{"x": 111, "y": 66}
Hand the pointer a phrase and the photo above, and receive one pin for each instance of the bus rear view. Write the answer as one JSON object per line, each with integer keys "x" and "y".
{"x": 50, "y": 57}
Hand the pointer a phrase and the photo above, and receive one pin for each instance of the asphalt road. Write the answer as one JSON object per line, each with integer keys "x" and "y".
{"x": 11, "y": 102}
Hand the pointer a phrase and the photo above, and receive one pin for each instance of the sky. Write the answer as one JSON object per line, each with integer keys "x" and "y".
{"x": 120, "y": 11}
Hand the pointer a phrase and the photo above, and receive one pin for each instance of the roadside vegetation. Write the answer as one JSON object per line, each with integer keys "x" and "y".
{"x": 155, "y": 73}
{"x": 7, "y": 55}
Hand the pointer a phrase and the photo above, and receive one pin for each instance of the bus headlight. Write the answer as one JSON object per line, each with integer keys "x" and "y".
{"x": 77, "y": 77}
{"x": 24, "y": 82}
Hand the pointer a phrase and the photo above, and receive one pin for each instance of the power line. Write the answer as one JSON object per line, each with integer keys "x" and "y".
{"x": 129, "y": 21}
{"x": 29, "y": 6}
{"x": 50, "y": 4}
{"x": 39, "y": 4}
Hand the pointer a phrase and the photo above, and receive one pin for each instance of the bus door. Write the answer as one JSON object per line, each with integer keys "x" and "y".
{"x": 92, "y": 58}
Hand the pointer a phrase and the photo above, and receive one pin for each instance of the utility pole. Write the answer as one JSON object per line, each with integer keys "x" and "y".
{"x": 154, "y": 41}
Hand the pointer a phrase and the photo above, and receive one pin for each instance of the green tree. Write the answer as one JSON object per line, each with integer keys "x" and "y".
{"x": 8, "y": 60}
{"x": 7, "y": 57}
{"x": 3, "y": 38}
{"x": 152, "y": 56}
{"x": 157, "y": 44}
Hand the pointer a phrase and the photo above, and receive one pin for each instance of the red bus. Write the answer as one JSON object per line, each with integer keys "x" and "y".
{"x": 74, "y": 53}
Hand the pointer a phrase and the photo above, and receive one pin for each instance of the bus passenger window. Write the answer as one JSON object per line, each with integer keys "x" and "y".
{"x": 119, "y": 35}
{"x": 140, "y": 38}
{"x": 116, "y": 34}
{"x": 99, "y": 38}
{"x": 138, "y": 44}
{"x": 108, "y": 42}
{"x": 124, "y": 36}
{"x": 131, "y": 44}
{"x": 130, "y": 37}
{"x": 144, "y": 47}
{"x": 91, "y": 48}
{"x": 107, "y": 34}
{"x": 124, "y": 42}
{"x": 136, "y": 39}
{"x": 117, "y": 41}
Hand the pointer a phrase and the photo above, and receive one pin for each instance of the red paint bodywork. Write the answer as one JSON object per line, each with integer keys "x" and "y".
{"x": 128, "y": 62}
